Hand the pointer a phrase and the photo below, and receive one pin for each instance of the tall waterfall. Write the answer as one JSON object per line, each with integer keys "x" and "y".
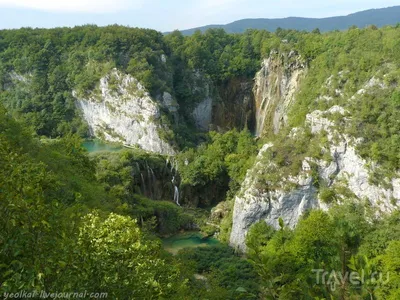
{"x": 176, "y": 191}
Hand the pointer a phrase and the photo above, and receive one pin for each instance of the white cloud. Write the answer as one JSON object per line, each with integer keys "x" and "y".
{"x": 94, "y": 6}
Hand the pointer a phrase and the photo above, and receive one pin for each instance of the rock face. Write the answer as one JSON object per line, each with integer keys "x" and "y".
{"x": 198, "y": 99}
{"x": 347, "y": 166}
{"x": 202, "y": 114}
{"x": 121, "y": 110}
{"x": 296, "y": 194}
{"x": 274, "y": 89}
{"x": 235, "y": 106}
{"x": 169, "y": 103}
{"x": 254, "y": 203}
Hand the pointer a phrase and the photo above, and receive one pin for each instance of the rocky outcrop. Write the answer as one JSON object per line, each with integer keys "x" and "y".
{"x": 297, "y": 194}
{"x": 275, "y": 86}
{"x": 121, "y": 110}
{"x": 170, "y": 103}
{"x": 349, "y": 168}
{"x": 255, "y": 202}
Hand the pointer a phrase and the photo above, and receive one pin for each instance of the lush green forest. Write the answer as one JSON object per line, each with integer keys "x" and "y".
{"x": 64, "y": 229}
{"x": 71, "y": 221}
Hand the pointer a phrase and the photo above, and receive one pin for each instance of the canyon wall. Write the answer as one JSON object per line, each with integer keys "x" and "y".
{"x": 121, "y": 110}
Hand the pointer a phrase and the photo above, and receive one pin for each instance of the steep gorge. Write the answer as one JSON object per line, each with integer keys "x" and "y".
{"x": 330, "y": 171}
{"x": 260, "y": 105}
{"x": 163, "y": 101}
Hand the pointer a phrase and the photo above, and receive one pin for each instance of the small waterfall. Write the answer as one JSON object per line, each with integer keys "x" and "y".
{"x": 149, "y": 180}
{"x": 176, "y": 195}
{"x": 176, "y": 191}
{"x": 153, "y": 177}
{"x": 138, "y": 167}
{"x": 173, "y": 172}
{"x": 176, "y": 167}
{"x": 173, "y": 165}
{"x": 143, "y": 184}
{"x": 142, "y": 178}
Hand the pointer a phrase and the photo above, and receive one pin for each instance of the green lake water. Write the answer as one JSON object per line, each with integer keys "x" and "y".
{"x": 96, "y": 146}
{"x": 187, "y": 240}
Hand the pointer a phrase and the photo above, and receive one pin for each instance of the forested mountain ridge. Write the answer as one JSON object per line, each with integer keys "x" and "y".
{"x": 322, "y": 193}
{"x": 379, "y": 17}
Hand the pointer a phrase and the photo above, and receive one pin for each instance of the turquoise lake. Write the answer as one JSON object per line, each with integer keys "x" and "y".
{"x": 96, "y": 146}
{"x": 187, "y": 240}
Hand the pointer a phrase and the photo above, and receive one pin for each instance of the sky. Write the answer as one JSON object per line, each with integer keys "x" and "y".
{"x": 167, "y": 15}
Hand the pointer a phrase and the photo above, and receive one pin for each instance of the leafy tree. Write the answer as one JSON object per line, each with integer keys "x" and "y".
{"x": 391, "y": 275}
{"x": 125, "y": 264}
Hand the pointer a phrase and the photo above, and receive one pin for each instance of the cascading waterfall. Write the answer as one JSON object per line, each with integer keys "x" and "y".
{"x": 142, "y": 178}
{"x": 173, "y": 170}
{"x": 176, "y": 191}
{"x": 176, "y": 195}
{"x": 143, "y": 184}
{"x": 150, "y": 178}
{"x": 138, "y": 167}
{"x": 153, "y": 176}
{"x": 172, "y": 166}
{"x": 176, "y": 167}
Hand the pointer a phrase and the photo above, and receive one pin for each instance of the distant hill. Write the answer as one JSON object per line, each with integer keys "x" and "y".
{"x": 379, "y": 17}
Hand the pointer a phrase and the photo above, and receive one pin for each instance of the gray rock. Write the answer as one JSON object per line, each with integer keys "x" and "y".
{"x": 253, "y": 205}
{"x": 170, "y": 103}
{"x": 125, "y": 114}
{"x": 274, "y": 89}
{"x": 202, "y": 114}
{"x": 346, "y": 167}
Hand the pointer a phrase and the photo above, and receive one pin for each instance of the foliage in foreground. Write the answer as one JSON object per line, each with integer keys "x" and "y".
{"x": 329, "y": 255}
{"x": 50, "y": 240}
{"x": 230, "y": 276}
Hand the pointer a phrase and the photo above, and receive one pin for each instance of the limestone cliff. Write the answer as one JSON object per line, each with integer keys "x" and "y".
{"x": 341, "y": 170}
{"x": 274, "y": 89}
{"x": 121, "y": 110}
{"x": 255, "y": 203}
